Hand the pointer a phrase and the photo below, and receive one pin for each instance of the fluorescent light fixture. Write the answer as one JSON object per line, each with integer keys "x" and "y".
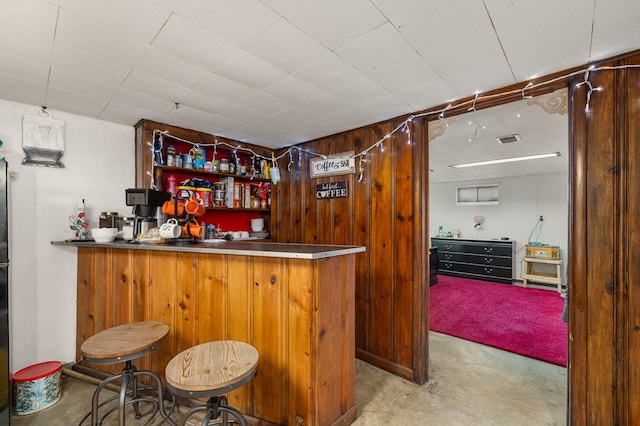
{"x": 506, "y": 160}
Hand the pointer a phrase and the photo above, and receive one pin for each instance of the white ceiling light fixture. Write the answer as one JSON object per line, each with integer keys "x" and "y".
{"x": 506, "y": 160}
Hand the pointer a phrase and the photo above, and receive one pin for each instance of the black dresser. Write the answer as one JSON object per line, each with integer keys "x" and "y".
{"x": 489, "y": 260}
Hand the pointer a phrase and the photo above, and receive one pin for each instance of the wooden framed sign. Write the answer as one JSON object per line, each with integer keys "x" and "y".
{"x": 332, "y": 190}
{"x": 339, "y": 164}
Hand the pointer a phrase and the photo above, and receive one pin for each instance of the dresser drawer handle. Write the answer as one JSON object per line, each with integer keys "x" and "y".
{"x": 447, "y": 247}
{"x": 488, "y": 249}
{"x": 488, "y": 270}
{"x": 448, "y": 256}
{"x": 488, "y": 260}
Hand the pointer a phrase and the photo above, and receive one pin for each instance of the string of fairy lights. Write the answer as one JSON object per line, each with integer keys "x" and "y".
{"x": 404, "y": 126}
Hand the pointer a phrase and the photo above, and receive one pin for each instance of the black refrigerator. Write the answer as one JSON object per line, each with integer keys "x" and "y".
{"x": 5, "y": 380}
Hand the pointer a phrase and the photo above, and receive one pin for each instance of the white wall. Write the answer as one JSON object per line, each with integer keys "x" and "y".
{"x": 522, "y": 201}
{"x": 99, "y": 165}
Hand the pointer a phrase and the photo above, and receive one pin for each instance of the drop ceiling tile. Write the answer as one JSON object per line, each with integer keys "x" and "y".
{"x": 335, "y": 23}
{"x": 393, "y": 9}
{"x": 424, "y": 96}
{"x": 142, "y": 101}
{"x": 362, "y": 91}
{"x": 21, "y": 90}
{"x": 544, "y": 59}
{"x": 241, "y": 114}
{"x": 193, "y": 115}
{"x": 282, "y": 7}
{"x": 616, "y": 36}
{"x": 198, "y": 100}
{"x": 66, "y": 80}
{"x": 325, "y": 104}
{"x": 609, "y": 10}
{"x": 171, "y": 68}
{"x": 294, "y": 116}
{"x": 141, "y": 82}
{"x": 543, "y": 25}
{"x": 24, "y": 68}
{"x": 505, "y": 9}
{"x": 67, "y": 100}
{"x": 27, "y": 34}
{"x": 478, "y": 55}
{"x": 250, "y": 71}
{"x": 365, "y": 52}
{"x": 264, "y": 103}
{"x": 96, "y": 38}
{"x": 192, "y": 44}
{"x": 138, "y": 20}
{"x": 221, "y": 126}
{"x": 435, "y": 24}
{"x": 330, "y": 72}
{"x": 293, "y": 90}
{"x": 90, "y": 66}
{"x": 385, "y": 108}
{"x": 237, "y": 22}
{"x": 286, "y": 47}
{"x": 217, "y": 86}
{"x": 403, "y": 76}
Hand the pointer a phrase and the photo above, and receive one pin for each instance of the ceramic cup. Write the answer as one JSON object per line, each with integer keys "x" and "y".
{"x": 170, "y": 229}
{"x": 194, "y": 207}
{"x": 192, "y": 229}
{"x": 169, "y": 208}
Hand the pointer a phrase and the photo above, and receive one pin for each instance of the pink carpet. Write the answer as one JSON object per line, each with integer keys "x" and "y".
{"x": 525, "y": 321}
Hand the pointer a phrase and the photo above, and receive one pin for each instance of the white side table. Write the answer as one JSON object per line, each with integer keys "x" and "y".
{"x": 543, "y": 277}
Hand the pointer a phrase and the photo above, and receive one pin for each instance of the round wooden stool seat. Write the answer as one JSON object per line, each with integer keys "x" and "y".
{"x": 124, "y": 342}
{"x": 211, "y": 370}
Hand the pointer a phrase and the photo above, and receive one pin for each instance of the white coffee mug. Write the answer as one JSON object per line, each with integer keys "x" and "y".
{"x": 170, "y": 229}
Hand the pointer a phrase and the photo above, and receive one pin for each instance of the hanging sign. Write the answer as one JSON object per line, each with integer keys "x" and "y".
{"x": 339, "y": 164}
{"x": 332, "y": 190}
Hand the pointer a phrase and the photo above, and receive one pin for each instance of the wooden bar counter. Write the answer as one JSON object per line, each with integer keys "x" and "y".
{"x": 294, "y": 303}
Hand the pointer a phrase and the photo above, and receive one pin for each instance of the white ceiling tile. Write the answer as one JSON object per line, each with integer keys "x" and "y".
{"x": 403, "y": 76}
{"x": 505, "y": 9}
{"x": 196, "y": 99}
{"x": 171, "y": 68}
{"x": 437, "y": 23}
{"x": 122, "y": 17}
{"x": 250, "y": 71}
{"x": 365, "y": 52}
{"x": 88, "y": 65}
{"x": 282, "y": 7}
{"x": 193, "y": 44}
{"x": 286, "y": 47}
{"x": 384, "y": 108}
{"x": 478, "y": 55}
{"x": 184, "y": 112}
{"x": 393, "y": 9}
{"x": 143, "y": 101}
{"x": 241, "y": 114}
{"x": 65, "y": 80}
{"x": 141, "y": 82}
{"x": 427, "y": 95}
{"x": 329, "y": 72}
{"x": 325, "y": 104}
{"x": 217, "y": 86}
{"x": 23, "y": 67}
{"x": 25, "y": 33}
{"x": 238, "y": 22}
{"x": 616, "y": 36}
{"x": 615, "y": 9}
{"x": 293, "y": 90}
{"x": 264, "y": 103}
{"x": 544, "y": 59}
{"x": 15, "y": 88}
{"x": 537, "y": 27}
{"x": 336, "y": 22}
{"x": 361, "y": 91}
{"x": 67, "y": 100}
{"x": 96, "y": 38}
{"x": 294, "y": 116}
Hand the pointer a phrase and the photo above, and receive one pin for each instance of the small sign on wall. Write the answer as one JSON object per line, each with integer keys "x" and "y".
{"x": 332, "y": 190}
{"x": 339, "y": 164}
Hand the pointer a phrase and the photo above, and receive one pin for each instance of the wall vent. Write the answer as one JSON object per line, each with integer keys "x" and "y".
{"x": 508, "y": 138}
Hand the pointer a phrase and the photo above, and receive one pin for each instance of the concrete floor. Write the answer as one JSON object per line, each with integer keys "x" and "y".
{"x": 470, "y": 384}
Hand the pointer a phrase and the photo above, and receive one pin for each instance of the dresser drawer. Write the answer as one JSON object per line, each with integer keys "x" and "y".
{"x": 478, "y": 271}
{"x": 477, "y": 259}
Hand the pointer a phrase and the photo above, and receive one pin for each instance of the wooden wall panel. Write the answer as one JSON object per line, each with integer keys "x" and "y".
{"x": 213, "y": 307}
{"x": 162, "y": 307}
{"x": 631, "y": 328}
{"x": 86, "y": 291}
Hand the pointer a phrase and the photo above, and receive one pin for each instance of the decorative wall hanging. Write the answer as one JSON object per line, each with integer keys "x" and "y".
{"x": 42, "y": 140}
{"x": 338, "y": 164}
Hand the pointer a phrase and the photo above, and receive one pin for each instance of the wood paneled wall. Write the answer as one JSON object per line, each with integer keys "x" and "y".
{"x": 386, "y": 212}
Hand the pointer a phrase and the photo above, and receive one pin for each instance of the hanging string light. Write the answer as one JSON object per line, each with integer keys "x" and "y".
{"x": 440, "y": 114}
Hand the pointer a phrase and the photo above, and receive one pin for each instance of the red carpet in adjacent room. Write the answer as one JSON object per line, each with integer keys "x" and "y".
{"x": 525, "y": 321}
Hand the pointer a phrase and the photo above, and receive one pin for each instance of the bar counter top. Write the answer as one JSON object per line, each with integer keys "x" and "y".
{"x": 243, "y": 248}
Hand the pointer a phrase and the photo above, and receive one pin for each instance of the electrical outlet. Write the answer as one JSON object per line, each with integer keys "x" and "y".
{"x": 541, "y": 218}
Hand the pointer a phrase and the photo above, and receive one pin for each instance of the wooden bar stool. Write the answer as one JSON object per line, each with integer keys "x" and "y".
{"x": 125, "y": 343}
{"x": 210, "y": 370}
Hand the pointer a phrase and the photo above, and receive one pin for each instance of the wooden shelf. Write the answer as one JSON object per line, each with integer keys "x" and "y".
{"x": 528, "y": 274}
{"x": 198, "y": 172}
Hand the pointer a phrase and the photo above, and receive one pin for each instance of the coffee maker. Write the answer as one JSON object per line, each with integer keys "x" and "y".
{"x": 145, "y": 204}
